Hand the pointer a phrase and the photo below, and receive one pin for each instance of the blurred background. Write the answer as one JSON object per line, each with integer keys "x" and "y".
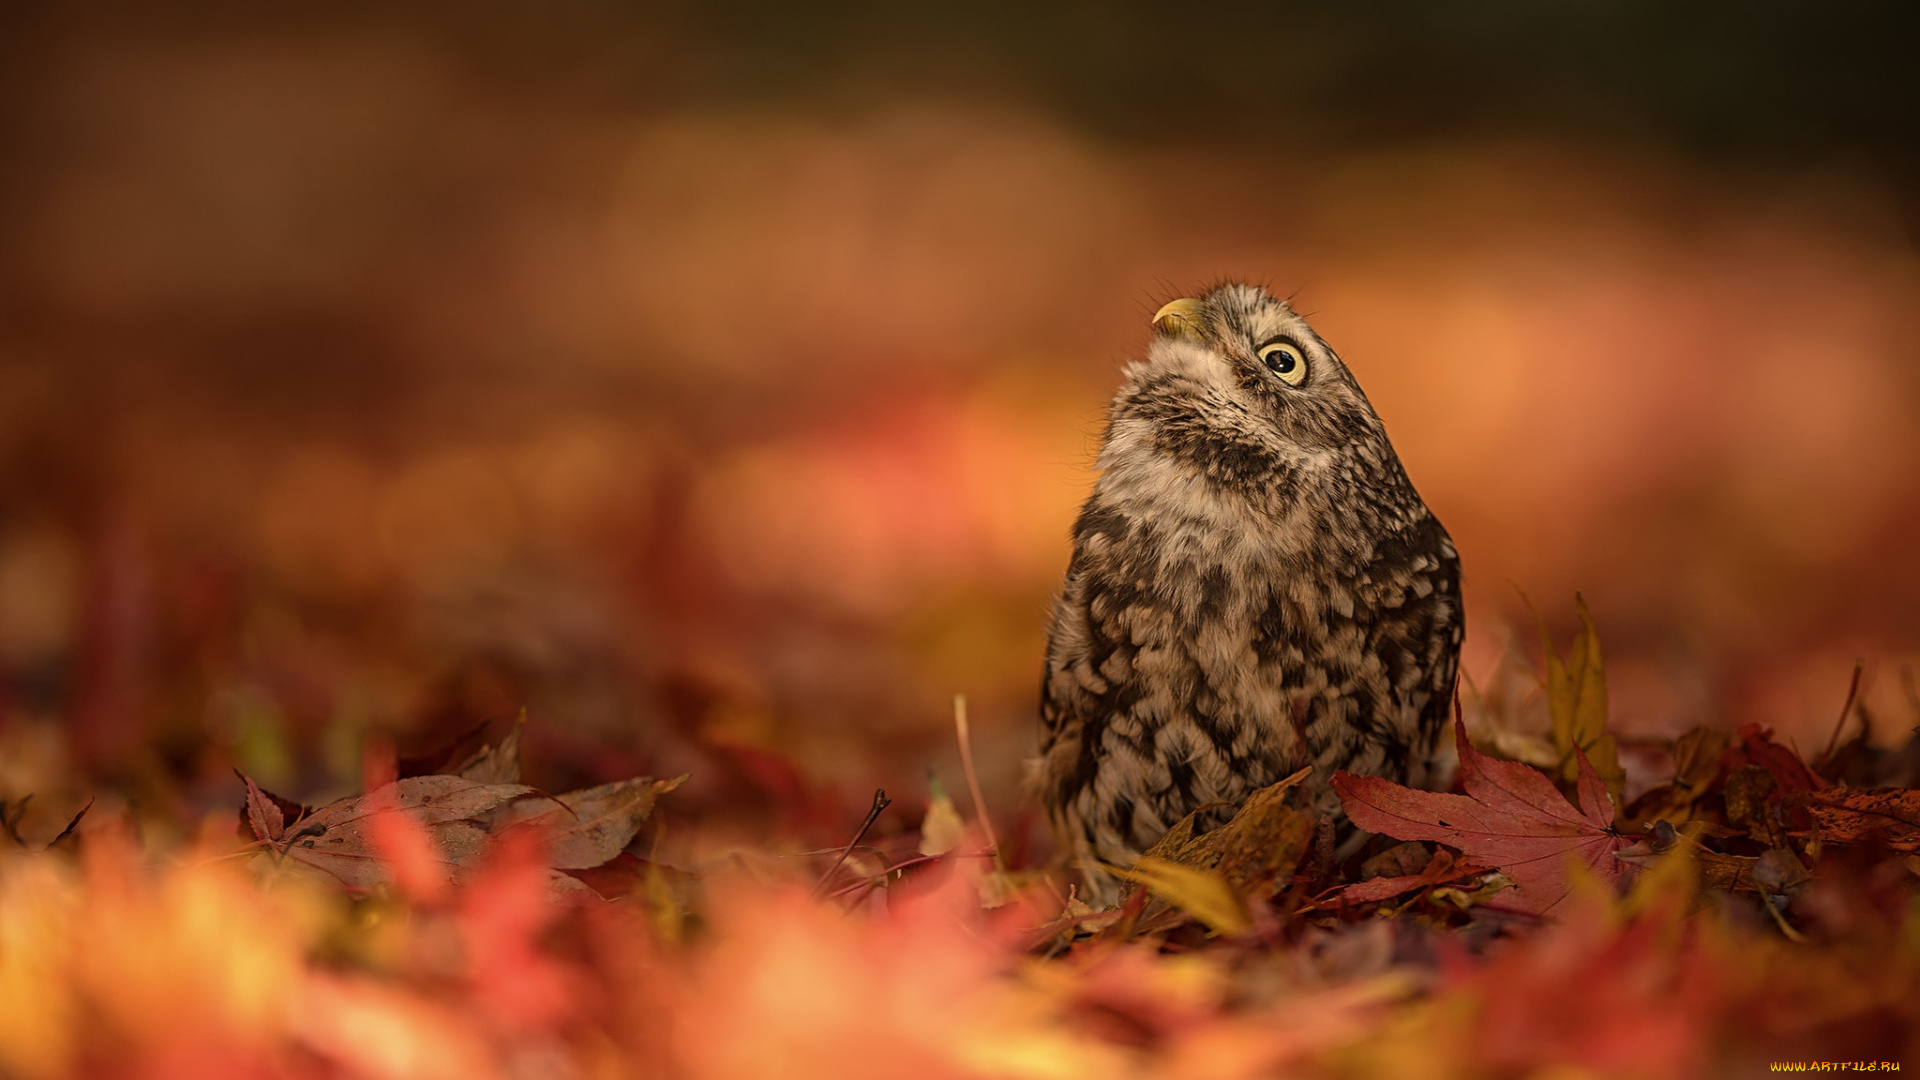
{"x": 717, "y": 382}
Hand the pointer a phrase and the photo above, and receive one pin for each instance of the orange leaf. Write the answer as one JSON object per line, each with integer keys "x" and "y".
{"x": 1849, "y": 815}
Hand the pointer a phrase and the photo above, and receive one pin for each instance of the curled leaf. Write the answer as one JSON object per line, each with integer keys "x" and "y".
{"x": 1442, "y": 869}
{"x": 1256, "y": 851}
{"x": 497, "y": 764}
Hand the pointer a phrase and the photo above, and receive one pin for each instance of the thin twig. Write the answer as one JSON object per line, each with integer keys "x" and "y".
{"x": 922, "y": 860}
{"x": 1853, "y": 694}
{"x": 72, "y": 825}
{"x": 965, "y": 734}
{"x": 880, "y": 803}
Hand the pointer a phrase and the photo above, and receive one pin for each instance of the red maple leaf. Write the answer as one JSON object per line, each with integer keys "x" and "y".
{"x": 1756, "y": 747}
{"x": 1512, "y": 818}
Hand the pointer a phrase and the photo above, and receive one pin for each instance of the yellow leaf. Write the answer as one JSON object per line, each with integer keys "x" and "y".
{"x": 1203, "y": 894}
{"x": 662, "y": 907}
{"x": 1577, "y": 701}
{"x": 1673, "y": 881}
{"x": 942, "y": 828}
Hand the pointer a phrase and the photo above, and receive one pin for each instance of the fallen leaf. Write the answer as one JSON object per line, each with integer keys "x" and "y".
{"x": 1756, "y": 747}
{"x": 343, "y": 838}
{"x": 1440, "y": 870}
{"x": 591, "y": 826}
{"x": 1749, "y": 792}
{"x": 1403, "y": 859}
{"x": 1204, "y": 894}
{"x": 1511, "y": 818}
{"x": 664, "y": 909}
{"x": 1463, "y": 898}
{"x": 1256, "y": 850}
{"x": 497, "y": 764}
{"x": 350, "y": 853}
{"x": 1731, "y": 872}
{"x": 288, "y": 809}
{"x": 264, "y": 816}
{"x": 1779, "y": 870}
{"x": 1696, "y": 756}
{"x": 942, "y": 828}
{"x": 432, "y": 799}
{"x": 1696, "y": 764}
{"x": 1577, "y": 702}
{"x": 1852, "y": 815}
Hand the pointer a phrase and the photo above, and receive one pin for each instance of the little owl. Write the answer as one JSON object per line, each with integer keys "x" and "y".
{"x": 1255, "y": 587}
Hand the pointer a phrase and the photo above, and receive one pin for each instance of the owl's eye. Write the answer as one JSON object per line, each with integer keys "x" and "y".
{"x": 1285, "y": 361}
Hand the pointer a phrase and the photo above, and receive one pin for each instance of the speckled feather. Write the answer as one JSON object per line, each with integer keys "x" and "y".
{"x": 1255, "y": 586}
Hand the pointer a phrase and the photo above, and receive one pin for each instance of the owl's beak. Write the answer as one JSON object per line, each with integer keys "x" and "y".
{"x": 1182, "y": 316}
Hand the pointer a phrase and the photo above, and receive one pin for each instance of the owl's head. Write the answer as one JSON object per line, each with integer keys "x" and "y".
{"x": 1237, "y": 389}
{"x": 1237, "y": 350}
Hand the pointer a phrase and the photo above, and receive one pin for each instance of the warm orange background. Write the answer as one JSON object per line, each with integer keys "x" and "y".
{"x": 389, "y": 374}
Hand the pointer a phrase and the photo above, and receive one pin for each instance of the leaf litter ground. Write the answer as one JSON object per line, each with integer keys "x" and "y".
{"x": 1750, "y": 908}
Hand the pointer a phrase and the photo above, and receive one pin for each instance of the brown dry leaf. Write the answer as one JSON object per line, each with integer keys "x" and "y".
{"x": 496, "y": 764}
{"x": 1851, "y": 815}
{"x": 264, "y": 816}
{"x": 1779, "y": 870}
{"x": 1258, "y": 849}
{"x": 1442, "y": 869}
{"x": 432, "y": 800}
{"x": 340, "y": 839}
{"x": 1731, "y": 872}
{"x": 288, "y": 809}
{"x": 348, "y": 851}
{"x": 1401, "y": 860}
{"x": 592, "y": 826}
{"x": 1750, "y": 794}
{"x": 1512, "y": 818}
{"x": 1696, "y": 764}
{"x": 1696, "y": 756}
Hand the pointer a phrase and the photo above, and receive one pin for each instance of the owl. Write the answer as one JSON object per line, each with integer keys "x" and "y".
{"x": 1255, "y": 587}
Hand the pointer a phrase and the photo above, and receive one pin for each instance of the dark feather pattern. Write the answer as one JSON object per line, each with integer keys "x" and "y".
{"x": 1255, "y": 586}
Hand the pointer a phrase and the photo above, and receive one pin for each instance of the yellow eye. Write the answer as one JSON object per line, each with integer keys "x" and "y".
{"x": 1285, "y": 361}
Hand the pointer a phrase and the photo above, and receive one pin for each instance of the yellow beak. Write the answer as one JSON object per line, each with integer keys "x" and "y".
{"x": 1182, "y": 316}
